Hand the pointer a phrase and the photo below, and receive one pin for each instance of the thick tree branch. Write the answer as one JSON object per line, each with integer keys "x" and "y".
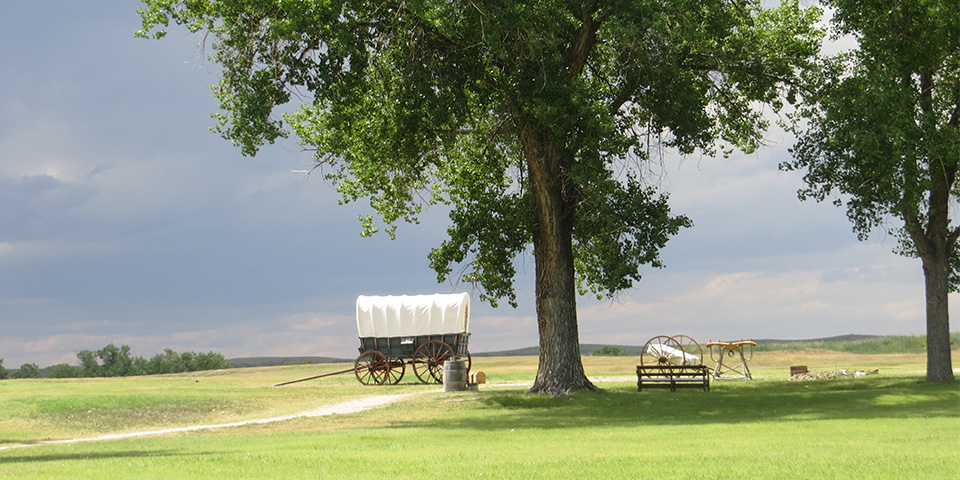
{"x": 579, "y": 51}
{"x": 953, "y": 236}
{"x": 916, "y": 231}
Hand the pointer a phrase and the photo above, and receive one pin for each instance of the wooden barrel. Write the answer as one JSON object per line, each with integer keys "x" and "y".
{"x": 454, "y": 376}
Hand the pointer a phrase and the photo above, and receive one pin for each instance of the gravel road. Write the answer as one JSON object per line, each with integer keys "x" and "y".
{"x": 341, "y": 408}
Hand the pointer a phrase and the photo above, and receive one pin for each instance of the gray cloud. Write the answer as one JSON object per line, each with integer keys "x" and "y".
{"x": 124, "y": 220}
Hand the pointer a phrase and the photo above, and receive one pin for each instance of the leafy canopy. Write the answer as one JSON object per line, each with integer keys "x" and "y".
{"x": 880, "y": 131}
{"x": 413, "y": 103}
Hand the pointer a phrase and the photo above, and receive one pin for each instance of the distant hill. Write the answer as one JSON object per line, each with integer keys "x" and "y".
{"x": 850, "y": 337}
{"x": 585, "y": 349}
{"x": 589, "y": 348}
{"x": 851, "y": 342}
{"x": 278, "y": 361}
{"x": 519, "y": 352}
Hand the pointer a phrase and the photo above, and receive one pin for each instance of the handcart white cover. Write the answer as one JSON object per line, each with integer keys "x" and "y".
{"x": 673, "y": 355}
{"x": 412, "y": 315}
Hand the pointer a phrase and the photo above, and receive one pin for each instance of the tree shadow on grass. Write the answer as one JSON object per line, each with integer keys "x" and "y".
{"x": 726, "y": 403}
{"x": 88, "y": 455}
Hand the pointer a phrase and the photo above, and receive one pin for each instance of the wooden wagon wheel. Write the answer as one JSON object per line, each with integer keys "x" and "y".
{"x": 372, "y": 368}
{"x": 653, "y": 354}
{"x": 395, "y": 370}
{"x": 690, "y": 347}
{"x": 428, "y": 361}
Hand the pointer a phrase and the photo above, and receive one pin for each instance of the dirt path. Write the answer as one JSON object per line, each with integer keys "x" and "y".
{"x": 341, "y": 408}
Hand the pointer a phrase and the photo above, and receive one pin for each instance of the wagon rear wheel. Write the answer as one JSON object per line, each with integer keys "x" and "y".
{"x": 428, "y": 361}
{"x": 691, "y": 349}
{"x": 372, "y": 368}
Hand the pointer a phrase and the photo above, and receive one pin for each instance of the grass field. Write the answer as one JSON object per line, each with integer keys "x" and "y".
{"x": 890, "y": 425}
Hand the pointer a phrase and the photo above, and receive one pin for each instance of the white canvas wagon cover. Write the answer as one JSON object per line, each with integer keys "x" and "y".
{"x": 673, "y": 355}
{"x": 412, "y": 315}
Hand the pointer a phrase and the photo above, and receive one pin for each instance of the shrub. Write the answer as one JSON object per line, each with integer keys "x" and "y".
{"x": 117, "y": 362}
{"x": 27, "y": 370}
{"x": 172, "y": 362}
{"x": 610, "y": 351}
{"x": 210, "y": 361}
{"x": 62, "y": 370}
{"x": 109, "y": 361}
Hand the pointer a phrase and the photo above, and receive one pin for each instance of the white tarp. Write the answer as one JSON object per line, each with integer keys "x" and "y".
{"x": 673, "y": 355}
{"x": 412, "y": 315}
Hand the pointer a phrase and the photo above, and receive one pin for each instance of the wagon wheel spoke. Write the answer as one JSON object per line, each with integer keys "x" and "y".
{"x": 380, "y": 373}
{"x": 381, "y": 369}
{"x": 395, "y": 371}
{"x": 436, "y": 370}
{"x": 421, "y": 364}
{"x": 361, "y": 368}
{"x": 652, "y": 353}
{"x": 444, "y": 353}
{"x": 428, "y": 361}
{"x": 371, "y": 368}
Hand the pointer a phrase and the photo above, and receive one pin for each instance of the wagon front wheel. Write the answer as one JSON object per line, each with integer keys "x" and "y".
{"x": 659, "y": 350}
{"x": 428, "y": 361}
{"x": 372, "y": 368}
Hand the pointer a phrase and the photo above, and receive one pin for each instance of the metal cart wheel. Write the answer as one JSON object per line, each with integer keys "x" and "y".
{"x": 428, "y": 361}
{"x": 372, "y": 368}
{"x": 690, "y": 347}
{"x": 652, "y": 355}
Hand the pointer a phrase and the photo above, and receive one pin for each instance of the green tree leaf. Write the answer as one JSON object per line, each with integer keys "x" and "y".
{"x": 530, "y": 121}
{"x": 879, "y": 133}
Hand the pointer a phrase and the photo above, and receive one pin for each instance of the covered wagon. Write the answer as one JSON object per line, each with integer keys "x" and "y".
{"x": 423, "y": 331}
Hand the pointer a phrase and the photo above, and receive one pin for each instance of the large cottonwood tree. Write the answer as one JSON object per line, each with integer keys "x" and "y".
{"x": 881, "y": 128}
{"x": 532, "y": 121}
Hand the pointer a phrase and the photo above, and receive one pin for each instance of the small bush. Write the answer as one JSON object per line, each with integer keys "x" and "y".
{"x": 27, "y": 370}
{"x": 610, "y": 351}
{"x": 62, "y": 370}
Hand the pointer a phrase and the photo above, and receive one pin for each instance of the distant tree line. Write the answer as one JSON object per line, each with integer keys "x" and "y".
{"x": 610, "y": 351}
{"x": 113, "y": 361}
{"x": 28, "y": 370}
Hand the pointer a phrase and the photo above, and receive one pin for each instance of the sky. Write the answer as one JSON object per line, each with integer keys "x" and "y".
{"x": 124, "y": 220}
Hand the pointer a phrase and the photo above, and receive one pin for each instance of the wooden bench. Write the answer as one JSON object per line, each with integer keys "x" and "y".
{"x": 673, "y": 377}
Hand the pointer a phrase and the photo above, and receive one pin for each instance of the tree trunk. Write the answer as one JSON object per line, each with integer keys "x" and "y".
{"x": 935, "y": 245}
{"x": 560, "y": 370}
{"x": 939, "y": 364}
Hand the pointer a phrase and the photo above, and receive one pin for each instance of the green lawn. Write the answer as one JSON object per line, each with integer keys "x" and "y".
{"x": 890, "y": 425}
